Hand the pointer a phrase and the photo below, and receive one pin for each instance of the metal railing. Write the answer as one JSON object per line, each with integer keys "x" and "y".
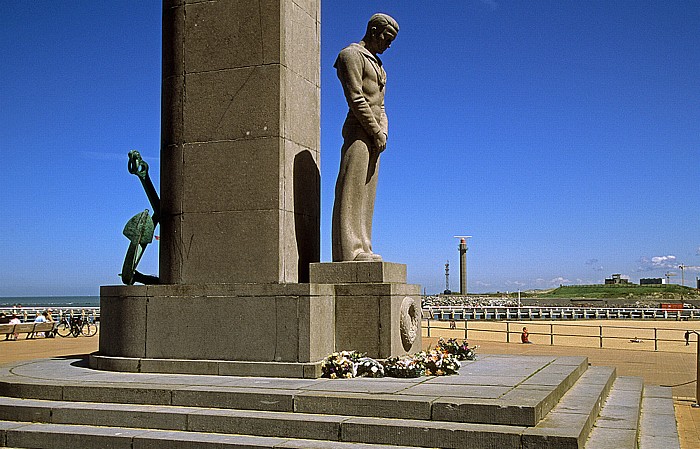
{"x": 556, "y": 313}
{"x": 556, "y": 332}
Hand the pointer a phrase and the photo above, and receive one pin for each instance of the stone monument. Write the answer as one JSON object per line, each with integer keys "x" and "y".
{"x": 241, "y": 291}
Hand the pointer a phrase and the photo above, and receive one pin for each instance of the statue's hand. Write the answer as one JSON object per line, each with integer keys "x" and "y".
{"x": 380, "y": 141}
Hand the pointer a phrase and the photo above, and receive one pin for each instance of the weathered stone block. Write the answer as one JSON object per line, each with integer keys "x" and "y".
{"x": 301, "y": 34}
{"x": 606, "y": 438}
{"x": 358, "y": 272}
{"x": 357, "y": 324}
{"x": 191, "y": 440}
{"x": 208, "y": 240}
{"x": 120, "y": 415}
{"x": 485, "y": 411}
{"x": 108, "y": 363}
{"x": 233, "y": 104}
{"x": 270, "y": 424}
{"x": 211, "y": 186}
{"x": 28, "y": 410}
{"x": 55, "y": 435}
{"x": 430, "y": 434}
{"x": 234, "y": 332}
{"x": 173, "y": 36}
{"x": 179, "y": 366}
{"x": 125, "y": 333}
{"x": 123, "y": 394}
{"x": 222, "y": 35}
{"x": 363, "y": 404}
{"x": 301, "y": 317}
{"x": 172, "y": 190}
{"x": 279, "y": 400}
{"x": 299, "y": 122}
{"x": 28, "y": 389}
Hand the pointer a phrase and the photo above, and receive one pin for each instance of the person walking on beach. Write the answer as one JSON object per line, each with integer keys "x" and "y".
{"x": 525, "y": 336}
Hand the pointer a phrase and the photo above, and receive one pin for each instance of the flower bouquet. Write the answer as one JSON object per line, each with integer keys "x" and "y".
{"x": 340, "y": 364}
{"x": 404, "y": 366}
{"x": 438, "y": 363}
{"x": 460, "y": 350}
{"x": 368, "y": 367}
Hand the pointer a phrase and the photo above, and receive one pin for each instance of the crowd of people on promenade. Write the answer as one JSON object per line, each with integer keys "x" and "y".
{"x": 13, "y": 317}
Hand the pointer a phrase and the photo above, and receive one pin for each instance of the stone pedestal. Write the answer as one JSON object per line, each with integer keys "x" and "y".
{"x": 375, "y": 310}
{"x": 279, "y": 330}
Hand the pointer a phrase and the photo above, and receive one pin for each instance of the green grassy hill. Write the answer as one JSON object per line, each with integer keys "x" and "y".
{"x": 622, "y": 291}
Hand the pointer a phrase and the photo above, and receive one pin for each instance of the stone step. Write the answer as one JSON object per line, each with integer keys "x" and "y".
{"x": 60, "y": 436}
{"x": 618, "y": 422}
{"x": 524, "y": 405}
{"x": 321, "y": 412}
{"x": 657, "y": 424}
{"x": 568, "y": 424}
{"x": 509, "y": 390}
{"x": 322, "y": 427}
{"x": 264, "y": 424}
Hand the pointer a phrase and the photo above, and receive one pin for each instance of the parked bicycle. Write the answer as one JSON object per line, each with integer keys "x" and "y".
{"x": 76, "y": 326}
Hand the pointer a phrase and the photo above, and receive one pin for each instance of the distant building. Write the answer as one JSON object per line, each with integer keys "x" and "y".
{"x": 652, "y": 281}
{"x": 616, "y": 279}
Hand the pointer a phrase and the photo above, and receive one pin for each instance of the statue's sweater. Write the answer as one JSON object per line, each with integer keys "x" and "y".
{"x": 363, "y": 79}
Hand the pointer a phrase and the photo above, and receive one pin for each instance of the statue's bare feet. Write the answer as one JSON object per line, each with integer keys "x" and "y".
{"x": 366, "y": 257}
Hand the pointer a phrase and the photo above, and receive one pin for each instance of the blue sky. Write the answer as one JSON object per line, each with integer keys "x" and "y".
{"x": 563, "y": 136}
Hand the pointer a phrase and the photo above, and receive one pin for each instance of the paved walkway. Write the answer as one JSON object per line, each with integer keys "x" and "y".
{"x": 42, "y": 348}
{"x": 658, "y": 368}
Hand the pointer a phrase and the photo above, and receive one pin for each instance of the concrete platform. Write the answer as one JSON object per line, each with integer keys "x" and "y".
{"x": 498, "y": 401}
{"x": 479, "y": 394}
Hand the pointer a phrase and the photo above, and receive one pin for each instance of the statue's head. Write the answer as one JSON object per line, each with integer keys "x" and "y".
{"x": 381, "y": 31}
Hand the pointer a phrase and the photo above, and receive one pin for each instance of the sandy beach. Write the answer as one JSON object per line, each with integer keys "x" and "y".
{"x": 661, "y": 335}
{"x": 41, "y": 348}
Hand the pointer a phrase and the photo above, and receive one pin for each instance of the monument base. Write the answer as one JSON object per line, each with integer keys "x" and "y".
{"x": 375, "y": 310}
{"x": 274, "y": 330}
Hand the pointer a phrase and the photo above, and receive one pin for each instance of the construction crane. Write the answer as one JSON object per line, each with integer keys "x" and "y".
{"x": 447, "y": 278}
{"x": 668, "y": 276}
{"x": 683, "y": 267}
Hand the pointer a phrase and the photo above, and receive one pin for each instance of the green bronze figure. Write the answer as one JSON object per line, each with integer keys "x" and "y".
{"x": 141, "y": 227}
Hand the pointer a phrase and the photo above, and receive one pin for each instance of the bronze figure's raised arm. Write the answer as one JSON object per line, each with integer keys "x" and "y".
{"x": 141, "y": 227}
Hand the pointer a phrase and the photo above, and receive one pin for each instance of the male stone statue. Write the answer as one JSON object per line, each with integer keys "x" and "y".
{"x": 365, "y": 133}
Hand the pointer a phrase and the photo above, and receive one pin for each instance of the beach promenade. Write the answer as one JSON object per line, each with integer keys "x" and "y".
{"x": 659, "y": 368}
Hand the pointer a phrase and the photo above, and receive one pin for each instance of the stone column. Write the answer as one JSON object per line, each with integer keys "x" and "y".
{"x": 463, "y": 266}
{"x": 240, "y": 182}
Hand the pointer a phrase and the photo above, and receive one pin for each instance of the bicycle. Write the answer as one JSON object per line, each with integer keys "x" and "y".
{"x": 76, "y": 326}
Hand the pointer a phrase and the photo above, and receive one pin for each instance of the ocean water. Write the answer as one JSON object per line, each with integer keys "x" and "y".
{"x": 50, "y": 301}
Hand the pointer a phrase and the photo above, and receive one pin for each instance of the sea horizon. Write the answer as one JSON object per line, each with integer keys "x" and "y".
{"x": 53, "y": 301}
